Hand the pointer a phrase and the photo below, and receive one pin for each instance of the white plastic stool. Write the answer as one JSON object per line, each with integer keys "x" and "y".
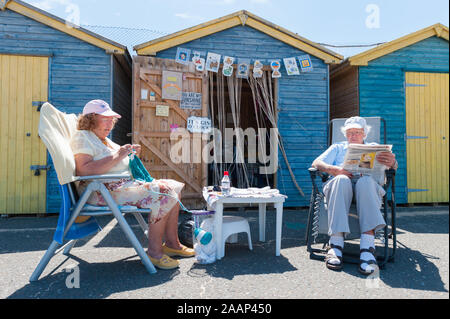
{"x": 233, "y": 225}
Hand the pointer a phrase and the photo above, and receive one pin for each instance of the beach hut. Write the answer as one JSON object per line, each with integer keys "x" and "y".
{"x": 405, "y": 81}
{"x": 297, "y": 104}
{"x": 43, "y": 58}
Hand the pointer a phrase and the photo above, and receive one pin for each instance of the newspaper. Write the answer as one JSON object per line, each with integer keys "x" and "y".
{"x": 360, "y": 160}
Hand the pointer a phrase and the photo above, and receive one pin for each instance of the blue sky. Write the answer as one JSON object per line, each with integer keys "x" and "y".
{"x": 346, "y": 22}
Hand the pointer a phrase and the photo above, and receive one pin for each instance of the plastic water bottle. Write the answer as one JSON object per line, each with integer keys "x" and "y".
{"x": 225, "y": 184}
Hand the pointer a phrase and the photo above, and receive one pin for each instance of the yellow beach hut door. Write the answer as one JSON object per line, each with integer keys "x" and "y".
{"x": 427, "y": 112}
{"x": 23, "y": 85}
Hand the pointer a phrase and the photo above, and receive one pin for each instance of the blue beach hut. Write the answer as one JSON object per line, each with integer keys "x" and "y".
{"x": 405, "y": 81}
{"x": 301, "y": 101}
{"x": 42, "y": 58}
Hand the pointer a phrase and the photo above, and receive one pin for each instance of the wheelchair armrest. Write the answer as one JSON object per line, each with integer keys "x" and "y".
{"x": 101, "y": 177}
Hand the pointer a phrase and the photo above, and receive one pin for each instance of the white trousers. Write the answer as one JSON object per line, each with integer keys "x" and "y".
{"x": 338, "y": 198}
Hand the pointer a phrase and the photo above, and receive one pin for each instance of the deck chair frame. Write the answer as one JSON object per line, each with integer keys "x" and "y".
{"x": 80, "y": 208}
{"x": 317, "y": 196}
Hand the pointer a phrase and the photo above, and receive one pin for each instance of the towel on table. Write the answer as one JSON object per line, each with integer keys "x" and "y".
{"x": 253, "y": 192}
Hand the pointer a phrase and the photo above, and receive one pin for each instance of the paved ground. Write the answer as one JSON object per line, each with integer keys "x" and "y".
{"x": 109, "y": 268}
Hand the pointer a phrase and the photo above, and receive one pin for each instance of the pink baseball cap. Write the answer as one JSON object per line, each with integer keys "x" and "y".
{"x": 99, "y": 107}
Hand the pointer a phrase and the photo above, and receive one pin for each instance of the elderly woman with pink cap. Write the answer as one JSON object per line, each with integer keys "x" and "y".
{"x": 339, "y": 192}
{"x": 96, "y": 154}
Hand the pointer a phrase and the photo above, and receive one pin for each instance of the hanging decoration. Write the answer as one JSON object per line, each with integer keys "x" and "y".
{"x": 263, "y": 103}
{"x": 228, "y": 65}
{"x": 275, "y": 65}
{"x": 213, "y": 62}
{"x": 257, "y": 69}
{"x": 291, "y": 66}
{"x": 305, "y": 63}
{"x": 243, "y": 68}
{"x": 183, "y": 56}
{"x": 199, "y": 62}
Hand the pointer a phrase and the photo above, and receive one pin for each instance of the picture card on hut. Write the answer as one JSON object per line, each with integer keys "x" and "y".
{"x": 257, "y": 73}
{"x": 162, "y": 110}
{"x": 228, "y": 70}
{"x": 305, "y": 63}
{"x": 198, "y": 124}
{"x": 228, "y": 60}
{"x": 172, "y": 85}
{"x": 144, "y": 94}
{"x": 243, "y": 68}
{"x": 213, "y": 62}
{"x": 196, "y": 55}
{"x": 199, "y": 62}
{"x": 258, "y": 64}
{"x": 183, "y": 56}
{"x": 291, "y": 66}
{"x": 228, "y": 65}
{"x": 257, "y": 69}
{"x": 191, "y": 100}
{"x": 275, "y": 65}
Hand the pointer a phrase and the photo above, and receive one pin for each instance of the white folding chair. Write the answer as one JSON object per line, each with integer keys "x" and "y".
{"x": 56, "y": 129}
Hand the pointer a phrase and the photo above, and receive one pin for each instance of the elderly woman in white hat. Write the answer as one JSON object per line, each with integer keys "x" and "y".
{"x": 96, "y": 154}
{"x": 339, "y": 192}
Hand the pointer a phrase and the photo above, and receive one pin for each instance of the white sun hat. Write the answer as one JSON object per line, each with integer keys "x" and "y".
{"x": 356, "y": 122}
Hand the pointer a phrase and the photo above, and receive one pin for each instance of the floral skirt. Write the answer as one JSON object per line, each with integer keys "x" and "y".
{"x": 140, "y": 194}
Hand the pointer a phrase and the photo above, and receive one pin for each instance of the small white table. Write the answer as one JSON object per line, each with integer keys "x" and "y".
{"x": 262, "y": 202}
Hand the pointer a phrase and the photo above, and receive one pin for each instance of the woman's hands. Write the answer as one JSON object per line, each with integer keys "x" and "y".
{"x": 85, "y": 164}
{"x": 124, "y": 150}
{"x": 128, "y": 149}
{"x": 137, "y": 149}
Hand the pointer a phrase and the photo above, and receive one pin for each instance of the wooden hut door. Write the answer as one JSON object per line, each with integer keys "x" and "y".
{"x": 155, "y": 117}
{"x": 23, "y": 87}
{"x": 427, "y": 134}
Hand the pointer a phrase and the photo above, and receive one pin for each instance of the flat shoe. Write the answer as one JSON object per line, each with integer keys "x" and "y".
{"x": 165, "y": 262}
{"x": 183, "y": 252}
